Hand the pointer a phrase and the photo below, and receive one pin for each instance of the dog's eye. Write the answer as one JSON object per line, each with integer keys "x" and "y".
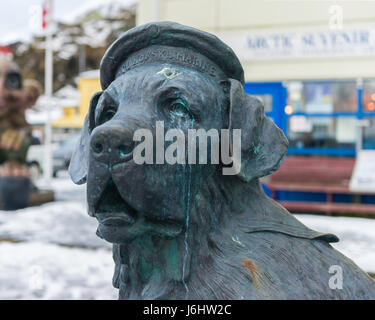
{"x": 106, "y": 114}
{"x": 179, "y": 109}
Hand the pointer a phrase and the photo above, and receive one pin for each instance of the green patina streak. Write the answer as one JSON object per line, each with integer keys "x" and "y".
{"x": 144, "y": 269}
{"x": 170, "y": 254}
{"x": 147, "y": 269}
{"x": 256, "y": 148}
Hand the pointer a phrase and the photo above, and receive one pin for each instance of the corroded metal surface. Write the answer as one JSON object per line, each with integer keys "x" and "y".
{"x": 187, "y": 231}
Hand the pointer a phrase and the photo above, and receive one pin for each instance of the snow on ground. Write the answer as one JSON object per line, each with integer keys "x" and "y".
{"x": 357, "y": 236}
{"x": 36, "y": 270}
{"x": 65, "y": 223}
{"x": 52, "y": 252}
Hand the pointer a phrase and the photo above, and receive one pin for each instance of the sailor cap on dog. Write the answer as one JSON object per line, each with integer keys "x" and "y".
{"x": 169, "y": 42}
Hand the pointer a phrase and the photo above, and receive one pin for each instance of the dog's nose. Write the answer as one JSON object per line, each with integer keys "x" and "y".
{"x": 112, "y": 144}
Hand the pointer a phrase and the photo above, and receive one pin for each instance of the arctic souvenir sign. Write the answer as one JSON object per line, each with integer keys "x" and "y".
{"x": 302, "y": 42}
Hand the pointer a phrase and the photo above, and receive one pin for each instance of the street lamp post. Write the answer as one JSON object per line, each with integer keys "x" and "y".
{"x": 47, "y": 25}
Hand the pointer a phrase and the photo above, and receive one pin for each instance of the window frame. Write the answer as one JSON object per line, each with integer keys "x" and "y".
{"x": 279, "y": 92}
{"x": 358, "y": 114}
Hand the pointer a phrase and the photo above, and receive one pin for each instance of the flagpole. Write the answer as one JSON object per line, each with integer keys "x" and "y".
{"x": 48, "y": 85}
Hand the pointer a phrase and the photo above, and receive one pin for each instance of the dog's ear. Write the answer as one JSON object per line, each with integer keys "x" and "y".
{"x": 79, "y": 162}
{"x": 263, "y": 144}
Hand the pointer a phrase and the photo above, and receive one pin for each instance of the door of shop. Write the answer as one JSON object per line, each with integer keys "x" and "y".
{"x": 274, "y": 95}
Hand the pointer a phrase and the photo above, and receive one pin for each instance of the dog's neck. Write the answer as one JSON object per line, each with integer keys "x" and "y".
{"x": 152, "y": 267}
{"x": 155, "y": 268}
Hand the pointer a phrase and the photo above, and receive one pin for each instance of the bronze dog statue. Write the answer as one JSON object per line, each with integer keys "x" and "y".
{"x": 187, "y": 231}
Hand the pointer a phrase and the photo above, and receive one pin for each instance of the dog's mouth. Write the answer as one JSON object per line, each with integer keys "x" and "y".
{"x": 112, "y": 210}
{"x": 116, "y": 215}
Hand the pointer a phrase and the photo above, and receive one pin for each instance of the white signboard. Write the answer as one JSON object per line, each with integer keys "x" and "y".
{"x": 307, "y": 42}
{"x": 363, "y": 176}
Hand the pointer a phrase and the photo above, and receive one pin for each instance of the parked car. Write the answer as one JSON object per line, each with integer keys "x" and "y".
{"x": 35, "y": 158}
{"x": 63, "y": 153}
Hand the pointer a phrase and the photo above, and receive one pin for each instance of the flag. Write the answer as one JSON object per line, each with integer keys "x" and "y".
{"x": 47, "y": 13}
{"x": 6, "y": 52}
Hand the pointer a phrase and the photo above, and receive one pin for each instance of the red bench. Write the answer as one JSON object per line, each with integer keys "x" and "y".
{"x": 317, "y": 174}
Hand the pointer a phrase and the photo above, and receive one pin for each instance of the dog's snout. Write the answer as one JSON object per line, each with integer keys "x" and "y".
{"x": 112, "y": 144}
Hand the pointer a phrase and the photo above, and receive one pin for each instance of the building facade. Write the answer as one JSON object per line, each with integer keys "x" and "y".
{"x": 75, "y": 109}
{"x": 311, "y": 62}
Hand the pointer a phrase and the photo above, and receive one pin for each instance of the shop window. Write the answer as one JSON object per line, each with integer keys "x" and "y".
{"x": 295, "y": 97}
{"x": 321, "y": 132}
{"x": 322, "y": 97}
{"x": 368, "y": 96}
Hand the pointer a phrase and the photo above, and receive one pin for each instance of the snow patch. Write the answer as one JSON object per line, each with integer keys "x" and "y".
{"x": 357, "y": 236}
{"x": 44, "y": 271}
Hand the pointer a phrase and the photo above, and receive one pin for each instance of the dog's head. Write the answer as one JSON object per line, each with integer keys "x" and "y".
{"x": 189, "y": 80}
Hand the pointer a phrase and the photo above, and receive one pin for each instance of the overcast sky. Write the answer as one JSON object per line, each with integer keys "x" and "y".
{"x": 15, "y": 15}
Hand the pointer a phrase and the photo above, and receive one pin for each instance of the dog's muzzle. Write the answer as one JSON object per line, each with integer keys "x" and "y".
{"x": 112, "y": 144}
